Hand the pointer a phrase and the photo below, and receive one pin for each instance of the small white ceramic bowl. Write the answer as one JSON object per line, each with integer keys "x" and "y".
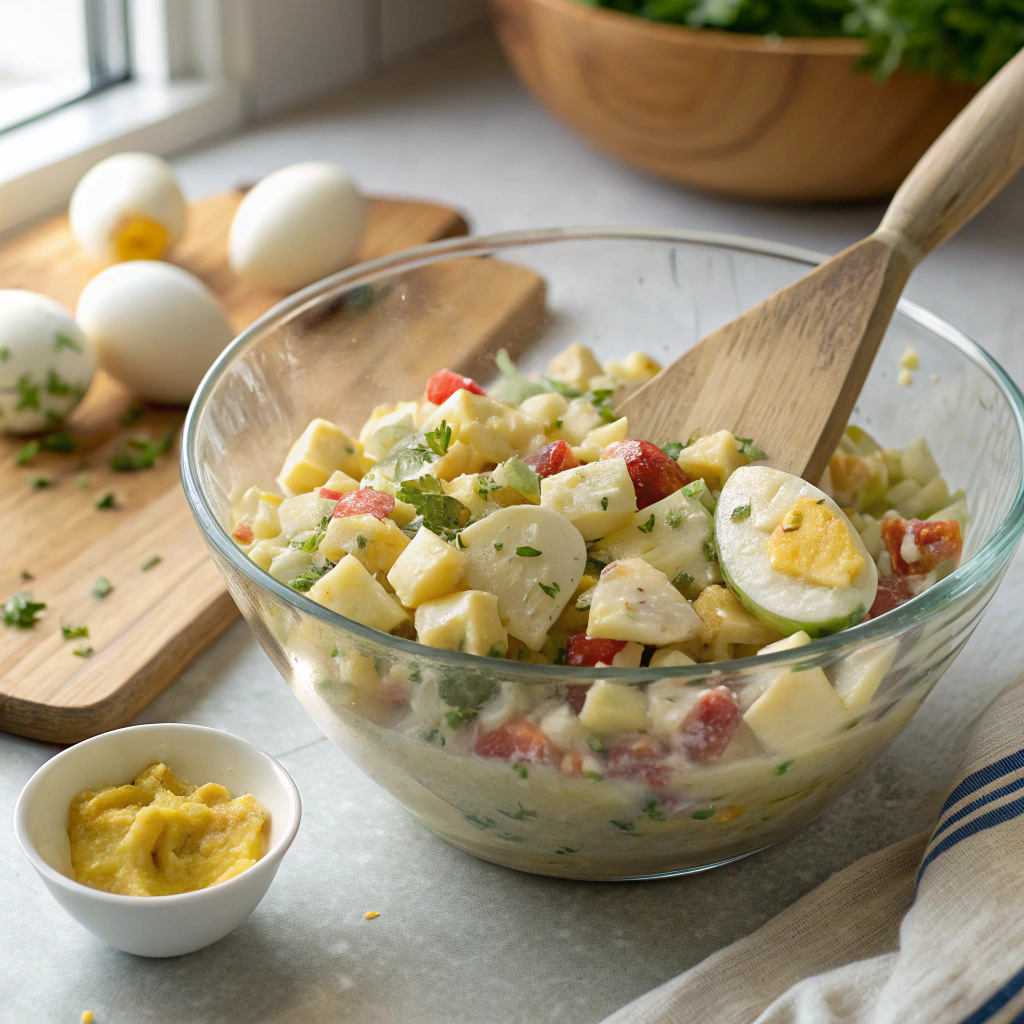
{"x": 155, "y": 925}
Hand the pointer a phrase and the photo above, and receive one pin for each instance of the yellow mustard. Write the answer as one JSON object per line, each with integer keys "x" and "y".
{"x": 159, "y": 835}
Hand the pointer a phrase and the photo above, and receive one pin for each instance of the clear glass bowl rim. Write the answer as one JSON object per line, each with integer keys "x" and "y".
{"x": 967, "y": 578}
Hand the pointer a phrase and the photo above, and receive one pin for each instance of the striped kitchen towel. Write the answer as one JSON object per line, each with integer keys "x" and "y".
{"x": 930, "y": 930}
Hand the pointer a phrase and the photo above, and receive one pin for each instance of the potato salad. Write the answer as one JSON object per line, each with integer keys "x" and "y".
{"x": 524, "y": 523}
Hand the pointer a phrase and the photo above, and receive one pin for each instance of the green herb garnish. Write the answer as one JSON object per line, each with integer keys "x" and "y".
{"x": 132, "y": 415}
{"x": 596, "y": 744}
{"x": 708, "y": 547}
{"x": 83, "y": 652}
{"x": 480, "y": 823}
{"x": 63, "y": 341}
{"x": 521, "y": 478}
{"x": 102, "y": 587}
{"x": 740, "y": 512}
{"x": 312, "y": 542}
{"x": 674, "y": 516}
{"x": 604, "y": 504}
{"x": 438, "y": 512}
{"x": 527, "y": 552}
{"x": 37, "y": 483}
{"x": 551, "y": 590}
{"x": 28, "y": 394}
{"x": 518, "y": 815}
{"x": 305, "y": 582}
{"x": 648, "y": 526}
{"x": 105, "y": 500}
{"x": 435, "y": 442}
{"x": 520, "y": 770}
{"x": 751, "y": 450}
{"x": 593, "y": 776}
{"x": 70, "y": 632}
{"x": 140, "y": 454}
{"x": 594, "y": 566}
{"x": 498, "y": 545}
{"x": 625, "y": 826}
{"x": 56, "y": 386}
{"x": 150, "y": 562}
{"x": 652, "y": 812}
{"x": 704, "y": 813}
{"x": 783, "y": 768}
{"x": 27, "y": 453}
{"x": 682, "y": 579}
{"x": 459, "y": 716}
{"x": 59, "y": 441}
{"x": 673, "y": 449}
{"x": 21, "y": 611}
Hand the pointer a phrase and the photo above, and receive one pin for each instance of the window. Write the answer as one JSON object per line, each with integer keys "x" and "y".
{"x": 58, "y": 51}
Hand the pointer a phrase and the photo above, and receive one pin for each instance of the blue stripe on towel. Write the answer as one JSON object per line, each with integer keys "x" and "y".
{"x": 973, "y": 782}
{"x": 985, "y": 821}
{"x": 1011, "y": 787}
{"x": 998, "y": 1001}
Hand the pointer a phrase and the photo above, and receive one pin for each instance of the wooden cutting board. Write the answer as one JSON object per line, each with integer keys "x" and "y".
{"x": 55, "y": 542}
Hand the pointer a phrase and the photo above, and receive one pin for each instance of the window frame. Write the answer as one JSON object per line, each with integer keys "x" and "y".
{"x": 187, "y": 67}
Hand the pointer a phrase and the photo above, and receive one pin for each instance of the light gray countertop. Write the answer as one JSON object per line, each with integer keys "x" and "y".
{"x": 458, "y": 939}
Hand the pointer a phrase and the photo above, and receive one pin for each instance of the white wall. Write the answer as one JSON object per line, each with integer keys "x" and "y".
{"x": 302, "y": 48}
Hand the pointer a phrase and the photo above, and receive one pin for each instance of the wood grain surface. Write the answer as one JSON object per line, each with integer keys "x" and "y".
{"x": 789, "y": 371}
{"x": 741, "y": 114}
{"x": 154, "y": 621}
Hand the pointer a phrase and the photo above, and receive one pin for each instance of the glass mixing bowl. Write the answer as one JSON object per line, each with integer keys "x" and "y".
{"x": 373, "y": 334}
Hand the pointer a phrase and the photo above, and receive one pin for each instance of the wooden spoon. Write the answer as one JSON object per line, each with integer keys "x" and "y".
{"x": 789, "y": 371}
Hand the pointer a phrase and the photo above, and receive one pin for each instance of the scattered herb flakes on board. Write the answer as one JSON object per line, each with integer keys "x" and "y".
{"x": 102, "y": 587}
{"x": 140, "y": 454}
{"x": 21, "y": 611}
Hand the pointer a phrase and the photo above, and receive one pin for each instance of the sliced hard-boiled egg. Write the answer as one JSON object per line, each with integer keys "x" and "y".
{"x": 127, "y": 207}
{"x": 46, "y": 363}
{"x": 297, "y": 225}
{"x": 791, "y": 554}
{"x": 155, "y": 327}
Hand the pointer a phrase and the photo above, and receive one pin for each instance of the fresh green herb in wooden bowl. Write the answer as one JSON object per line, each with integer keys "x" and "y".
{"x": 795, "y": 100}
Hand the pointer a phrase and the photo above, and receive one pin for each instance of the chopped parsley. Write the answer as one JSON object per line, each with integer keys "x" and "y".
{"x": 27, "y": 453}
{"x": 312, "y": 542}
{"x": 740, "y": 512}
{"x": 5, "y": 353}
{"x": 520, "y": 770}
{"x": 83, "y": 652}
{"x": 527, "y": 552}
{"x": 21, "y": 611}
{"x": 480, "y": 823}
{"x": 495, "y": 652}
{"x": 682, "y": 579}
{"x": 304, "y": 583}
{"x": 56, "y": 386}
{"x": 593, "y": 776}
{"x": 648, "y": 526}
{"x": 59, "y": 441}
{"x": 37, "y": 483}
{"x": 783, "y": 768}
{"x": 28, "y": 394}
{"x": 695, "y": 489}
{"x": 102, "y": 587}
{"x": 751, "y": 450}
{"x": 652, "y": 812}
{"x": 485, "y": 486}
{"x": 141, "y": 454}
{"x": 584, "y": 601}
{"x": 674, "y": 516}
{"x": 105, "y": 500}
{"x": 594, "y": 566}
{"x": 568, "y": 849}
{"x": 438, "y": 512}
{"x": 466, "y": 691}
{"x": 595, "y": 743}
{"x": 459, "y": 716}
{"x": 673, "y": 449}
{"x": 70, "y": 632}
{"x": 498, "y": 545}
{"x": 361, "y": 541}
{"x": 62, "y": 341}
{"x": 150, "y": 562}
{"x": 435, "y": 443}
{"x": 435, "y": 738}
{"x": 820, "y": 501}
{"x": 704, "y": 813}
{"x": 551, "y": 590}
{"x": 518, "y": 815}
{"x": 625, "y": 826}
{"x": 708, "y": 547}
{"x": 26, "y": 575}
{"x": 604, "y": 503}
{"x": 132, "y": 415}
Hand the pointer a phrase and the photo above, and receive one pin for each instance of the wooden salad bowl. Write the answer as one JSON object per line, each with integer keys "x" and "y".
{"x": 782, "y": 119}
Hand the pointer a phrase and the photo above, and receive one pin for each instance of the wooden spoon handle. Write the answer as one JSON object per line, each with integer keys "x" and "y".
{"x": 964, "y": 168}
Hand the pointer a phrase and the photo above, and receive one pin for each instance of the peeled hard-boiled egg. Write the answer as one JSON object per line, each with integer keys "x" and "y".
{"x": 127, "y": 207}
{"x": 153, "y": 326}
{"x": 296, "y": 226}
{"x": 46, "y": 364}
{"x": 791, "y": 554}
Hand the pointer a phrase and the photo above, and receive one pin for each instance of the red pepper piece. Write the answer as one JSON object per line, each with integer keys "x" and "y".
{"x": 553, "y": 458}
{"x": 654, "y": 474}
{"x": 443, "y": 384}
{"x": 243, "y": 533}
{"x": 710, "y": 724}
{"x": 364, "y": 502}
{"x": 519, "y": 740}
{"x": 936, "y": 542}
{"x": 588, "y": 650}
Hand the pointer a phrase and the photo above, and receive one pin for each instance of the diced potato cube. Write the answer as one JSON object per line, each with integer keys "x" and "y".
{"x": 303, "y": 512}
{"x": 668, "y": 703}
{"x": 917, "y": 463}
{"x": 670, "y": 657}
{"x": 565, "y": 730}
{"x": 607, "y": 433}
{"x": 713, "y": 459}
{"x": 264, "y": 552}
{"x": 390, "y": 412}
{"x": 856, "y": 677}
{"x": 428, "y": 568}
{"x": 676, "y": 542}
{"x": 403, "y": 513}
{"x": 595, "y": 498}
{"x": 473, "y": 490}
{"x": 613, "y": 707}
{"x": 575, "y": 366}
{"x": 387, "y": 425}
{"x": 341, "y": 482}
{"x": 376, "y": 543}
{"x": 723, "y": 616}
{"x": 466, "y": 621}
{"x": 636, "y": 368}
{"x": 634, "y": 601}
{"x": 544, "y": 408}
{"x": 578, "y": 420}
{"x": 289, "y": 564}
{"x": 266, "y": 523}
{"x": 495, "y": 430}
{"x": 350, "y": 590}
{"x": 460, "y": 458}
{"x": 798, "y": 710}
{"x": 321, "y": 449}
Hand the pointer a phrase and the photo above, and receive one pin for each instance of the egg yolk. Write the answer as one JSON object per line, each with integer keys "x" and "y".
{"x": 813, "y": 544}
{"x": 139, "y": 238}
